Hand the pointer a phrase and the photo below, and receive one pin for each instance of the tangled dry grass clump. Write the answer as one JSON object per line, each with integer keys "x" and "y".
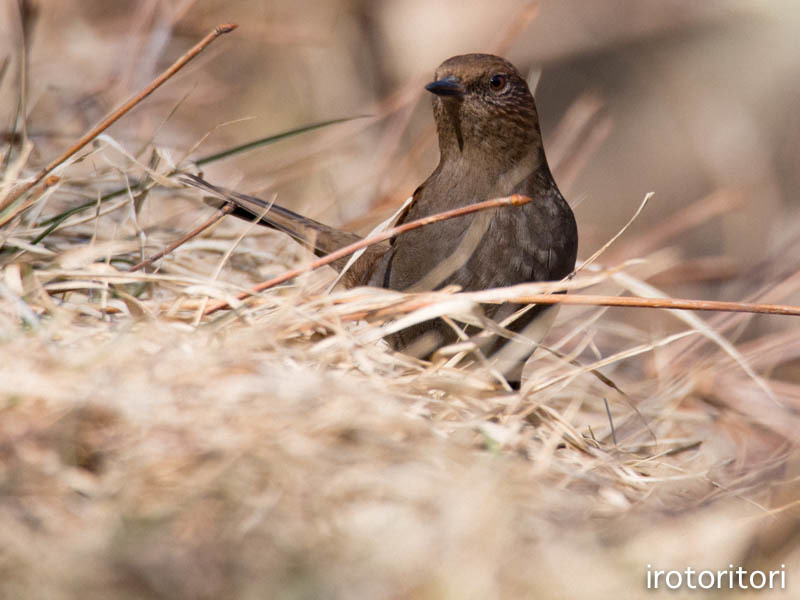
{"x": 151, "y": 449}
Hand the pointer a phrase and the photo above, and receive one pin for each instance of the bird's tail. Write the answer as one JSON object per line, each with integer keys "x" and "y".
{"x": 321, "y": 238}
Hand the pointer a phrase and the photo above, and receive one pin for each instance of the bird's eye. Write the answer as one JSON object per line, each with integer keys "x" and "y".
{"x": 498, "y": 82}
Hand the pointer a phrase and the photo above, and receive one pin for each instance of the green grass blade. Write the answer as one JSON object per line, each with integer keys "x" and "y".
{"x": 270, "y": 140}
{"x": 53, "y": 222}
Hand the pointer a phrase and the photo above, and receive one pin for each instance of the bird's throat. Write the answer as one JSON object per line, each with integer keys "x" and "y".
{"x": 453, "y": 122}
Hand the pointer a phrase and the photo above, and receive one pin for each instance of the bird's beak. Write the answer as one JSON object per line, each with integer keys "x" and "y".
{"x": 447, "y": 86}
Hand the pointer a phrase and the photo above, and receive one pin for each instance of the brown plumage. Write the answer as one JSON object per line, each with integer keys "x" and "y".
{"x": 490, "y": 146}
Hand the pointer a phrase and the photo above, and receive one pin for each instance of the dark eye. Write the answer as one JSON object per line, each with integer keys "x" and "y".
{"x": 498, "y": 82}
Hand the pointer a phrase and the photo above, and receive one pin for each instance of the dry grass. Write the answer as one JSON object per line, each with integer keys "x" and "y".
{"x": 281, "y": 450}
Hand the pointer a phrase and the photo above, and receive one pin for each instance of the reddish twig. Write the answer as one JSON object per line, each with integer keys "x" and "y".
{"x": 422, "y": 300}
{"x": 224, "y": 210}
{"x": 513, "y": 200}
{"x": 111, "y": 119}
{"x": 668, "y": 303}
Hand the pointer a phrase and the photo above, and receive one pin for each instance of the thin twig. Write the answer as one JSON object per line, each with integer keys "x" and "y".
{"x": 720, "y": 201}
{"x": 423, "y": 299}
{"x": 224, "y": 210}
{"x": 605, "y": 246}
{"x": 112, "y": 118}
{"x": 611, "y": 423}
{"x": 668, "y": 303}
{"x": 513, "y": 200}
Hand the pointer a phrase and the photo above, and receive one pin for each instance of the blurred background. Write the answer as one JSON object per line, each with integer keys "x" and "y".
{"x": 695, "y": 101}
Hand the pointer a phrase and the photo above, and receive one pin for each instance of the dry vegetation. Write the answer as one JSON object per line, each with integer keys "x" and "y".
{"x": 280, "y": 450}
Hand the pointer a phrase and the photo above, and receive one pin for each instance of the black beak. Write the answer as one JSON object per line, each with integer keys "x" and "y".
{"x": 447, "y": 86}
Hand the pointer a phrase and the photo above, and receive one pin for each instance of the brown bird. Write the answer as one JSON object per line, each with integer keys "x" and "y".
{"x": 490, "y": 146}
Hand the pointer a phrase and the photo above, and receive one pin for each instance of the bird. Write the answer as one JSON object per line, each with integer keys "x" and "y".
{"x": 490, "y": 146}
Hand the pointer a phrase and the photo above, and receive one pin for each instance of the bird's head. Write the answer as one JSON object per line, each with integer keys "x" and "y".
{"x": 483, "y": 109}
